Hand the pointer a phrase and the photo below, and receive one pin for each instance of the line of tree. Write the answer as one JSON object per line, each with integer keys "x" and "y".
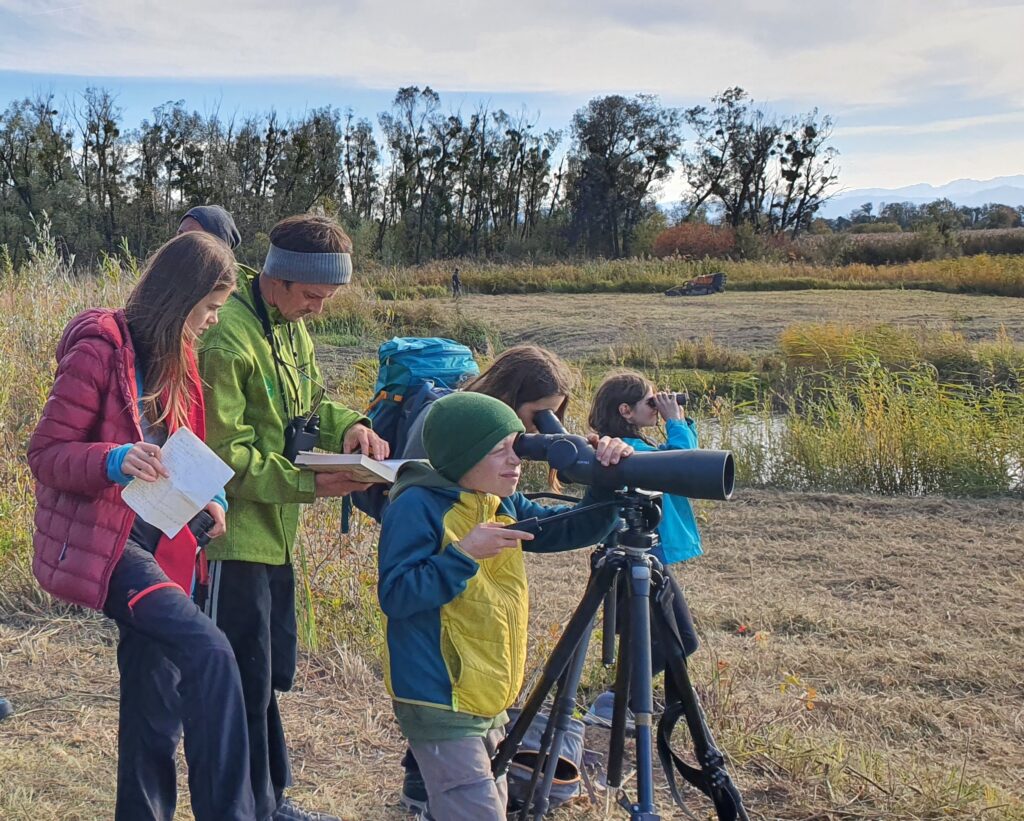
{"x": 942, "y": 213}
{"x": 420, "y": 183}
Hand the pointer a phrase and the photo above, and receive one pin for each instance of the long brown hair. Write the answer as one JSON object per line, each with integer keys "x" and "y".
{"x": 182, "y": 272}
{"x": 526, "y": 373}
{"x": 627, "y": 387}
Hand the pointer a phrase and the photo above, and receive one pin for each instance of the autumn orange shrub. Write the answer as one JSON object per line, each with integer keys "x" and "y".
{"x": 695, "y": 240}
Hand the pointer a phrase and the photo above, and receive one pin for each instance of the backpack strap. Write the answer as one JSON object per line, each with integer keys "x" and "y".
{"x": 384, "y": 396}
{"x": 711, "y": 777}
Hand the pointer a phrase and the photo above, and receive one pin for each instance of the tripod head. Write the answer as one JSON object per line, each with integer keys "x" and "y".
{"x": 641, "y": 514}
{"x": 639, "y": 510}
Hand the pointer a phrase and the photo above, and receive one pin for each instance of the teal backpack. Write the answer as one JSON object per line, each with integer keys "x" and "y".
{"x": 413, "y": 372}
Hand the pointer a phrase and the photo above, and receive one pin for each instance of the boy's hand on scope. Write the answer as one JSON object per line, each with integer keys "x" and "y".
{"x": 337, "y": 484}
{"x": 361, "y": 438}
{"x": 667, "y": 406}
{"x": 144, "y": 461}
{"x": 609, "y": 449}
{"x": 487, "y": 540}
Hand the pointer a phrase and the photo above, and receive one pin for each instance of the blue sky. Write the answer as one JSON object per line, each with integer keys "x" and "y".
{"x": 920, "y": 90}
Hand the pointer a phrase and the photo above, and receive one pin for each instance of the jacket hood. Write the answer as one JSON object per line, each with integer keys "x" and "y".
{"x": 421, "y": 474}
{"x": 96, "y": 323}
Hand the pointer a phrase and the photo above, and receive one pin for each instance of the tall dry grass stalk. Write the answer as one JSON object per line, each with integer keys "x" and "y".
{"x": 878, "y": 430}
{"x": 36, "y": 303}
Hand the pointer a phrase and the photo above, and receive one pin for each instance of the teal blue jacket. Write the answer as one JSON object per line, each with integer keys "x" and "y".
{"x": 680, "y": 539}
{"x": 457, "y": 627}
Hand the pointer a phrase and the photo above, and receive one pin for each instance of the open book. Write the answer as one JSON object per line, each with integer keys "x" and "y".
{"x": 357, "y": 466}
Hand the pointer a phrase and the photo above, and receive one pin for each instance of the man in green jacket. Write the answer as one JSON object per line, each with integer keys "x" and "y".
{"x": 260, "y": 375}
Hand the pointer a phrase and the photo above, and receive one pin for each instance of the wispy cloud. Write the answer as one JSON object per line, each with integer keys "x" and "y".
{"x": 833, "y": 53}
{"x": 911, "y": 71}
{"x": 43, "y": 12}
{"x": 943, "y": 126}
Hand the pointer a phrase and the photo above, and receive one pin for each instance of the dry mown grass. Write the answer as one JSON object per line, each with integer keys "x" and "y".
{"x": 897, "y": 620}
{"x": 584, "y": 326}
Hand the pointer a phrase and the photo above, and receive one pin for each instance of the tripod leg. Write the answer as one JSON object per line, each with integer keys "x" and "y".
{"x": 579, "y": 625}
{"x": 609, "y": 627}
{"x": 641, "y": 698}
{"x": 543, "y": 748}
{"x": 617, "y": 744}
{"x": 559, "y": 721}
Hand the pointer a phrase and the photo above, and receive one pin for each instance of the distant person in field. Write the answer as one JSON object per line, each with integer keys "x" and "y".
{"x": 260, "y": 375}
{"x": 126, "y": 380}
{"x": 212, "y": 219}
{"x": 456, "y": 284}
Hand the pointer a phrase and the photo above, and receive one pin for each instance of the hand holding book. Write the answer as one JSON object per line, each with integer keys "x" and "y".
{"x": 356, "y": 467}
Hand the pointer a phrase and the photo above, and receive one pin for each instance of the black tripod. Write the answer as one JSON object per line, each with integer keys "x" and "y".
{"x": 625, "y": 556}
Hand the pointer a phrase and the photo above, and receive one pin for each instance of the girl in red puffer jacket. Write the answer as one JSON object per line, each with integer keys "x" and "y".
{"x": 125, "y": 381}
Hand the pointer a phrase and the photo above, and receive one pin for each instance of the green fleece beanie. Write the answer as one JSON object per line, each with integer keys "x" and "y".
{"x": 461, "y": 429}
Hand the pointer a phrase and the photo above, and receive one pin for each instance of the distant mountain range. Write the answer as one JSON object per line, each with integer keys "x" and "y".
{"x": 973, "y": 193}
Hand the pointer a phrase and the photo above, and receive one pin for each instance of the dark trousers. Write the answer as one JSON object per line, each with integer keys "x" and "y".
{"x": 254, "y": 604}
{"x": 684, "y": 624}
{"x": 177, "y": 672}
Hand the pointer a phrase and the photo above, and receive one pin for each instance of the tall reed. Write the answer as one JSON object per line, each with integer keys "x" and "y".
{"x": 878, "y": 430}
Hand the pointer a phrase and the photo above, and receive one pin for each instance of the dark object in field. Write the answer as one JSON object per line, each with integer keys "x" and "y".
{"x": 5, "y": 708}
{"x": 699, "y": 286}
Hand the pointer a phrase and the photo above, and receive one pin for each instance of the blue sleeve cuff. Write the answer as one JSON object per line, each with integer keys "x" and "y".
{"x": 680, "y": 434}
{"x": 114, "y": 461}
{"x": 221, "y": 500}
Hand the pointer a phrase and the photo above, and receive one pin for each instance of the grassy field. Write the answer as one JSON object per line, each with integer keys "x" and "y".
{"x": 862, "y": 654}
{"x": 862, "y": 658}
{"x": 982, "y": 274}
{"x": 747, "y": 321}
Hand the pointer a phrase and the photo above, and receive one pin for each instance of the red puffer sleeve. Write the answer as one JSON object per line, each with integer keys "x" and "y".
{"x": 61, "y": 453}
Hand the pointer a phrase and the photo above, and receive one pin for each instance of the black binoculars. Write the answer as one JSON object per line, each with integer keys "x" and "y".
{"x": 302, "y": 433}
{"x": 200, "y": 526}
{"x": 682, "y": 399}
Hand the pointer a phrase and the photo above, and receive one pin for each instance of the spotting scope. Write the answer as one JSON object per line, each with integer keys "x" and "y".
{"x": 695, "y": 473}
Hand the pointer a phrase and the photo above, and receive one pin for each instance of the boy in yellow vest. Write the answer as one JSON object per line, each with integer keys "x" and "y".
{"x": 453, "y": 590}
